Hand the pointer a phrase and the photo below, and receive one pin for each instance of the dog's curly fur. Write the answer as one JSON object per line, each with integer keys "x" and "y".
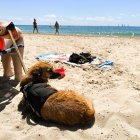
{"x": 64, "y": 106}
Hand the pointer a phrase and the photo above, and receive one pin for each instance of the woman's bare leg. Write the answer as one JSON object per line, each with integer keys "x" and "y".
{"x": 17, "y": 65}
{"x": 16, "y": 61}
{"x": 6, "y": 61}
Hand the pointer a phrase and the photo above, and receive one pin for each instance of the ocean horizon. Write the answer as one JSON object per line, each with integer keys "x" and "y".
{"x": 85, "y": 30}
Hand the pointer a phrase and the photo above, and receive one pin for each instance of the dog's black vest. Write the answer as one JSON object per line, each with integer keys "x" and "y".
{"x": 36, "y": 95}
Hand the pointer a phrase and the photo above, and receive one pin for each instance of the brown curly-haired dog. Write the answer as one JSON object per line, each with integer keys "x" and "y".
{"x": 64, "y": 106}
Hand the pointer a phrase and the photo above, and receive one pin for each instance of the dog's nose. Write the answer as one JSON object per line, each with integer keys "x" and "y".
{"x": 55, "y": 75}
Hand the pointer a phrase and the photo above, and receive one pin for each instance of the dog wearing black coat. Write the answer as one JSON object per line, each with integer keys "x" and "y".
{"x": 65, "y": 106}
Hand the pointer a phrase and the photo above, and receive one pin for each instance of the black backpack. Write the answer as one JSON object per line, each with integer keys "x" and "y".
{"x": 74, "y": 58}
{"x": 81, "y": 58}
{"x": 88, "y": 56}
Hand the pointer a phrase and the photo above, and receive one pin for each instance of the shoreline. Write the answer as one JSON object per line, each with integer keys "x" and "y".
{"x": 80, "y": 35}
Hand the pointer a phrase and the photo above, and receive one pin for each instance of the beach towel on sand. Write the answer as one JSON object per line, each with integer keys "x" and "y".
{"x": 64, "y": 58}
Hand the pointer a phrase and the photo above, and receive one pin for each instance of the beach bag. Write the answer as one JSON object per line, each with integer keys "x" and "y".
{"x": 81, "y": 58}
{"x": 76, "y": 58}
{"x": 88, "y": 56}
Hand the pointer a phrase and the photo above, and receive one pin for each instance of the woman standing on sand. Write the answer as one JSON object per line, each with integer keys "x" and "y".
{"x": 56, "y": 27}
{"x": 35, "y": 25}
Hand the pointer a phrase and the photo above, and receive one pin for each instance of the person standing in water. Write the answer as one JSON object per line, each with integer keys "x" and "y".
{"x": 35, "y": 26}
{"x": 56, "y": 27}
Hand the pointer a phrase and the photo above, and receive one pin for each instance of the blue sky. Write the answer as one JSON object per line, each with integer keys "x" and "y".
{"x": 72, "y": 12}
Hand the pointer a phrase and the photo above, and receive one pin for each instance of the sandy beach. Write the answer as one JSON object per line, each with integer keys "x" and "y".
{"x": 115, "y": 93}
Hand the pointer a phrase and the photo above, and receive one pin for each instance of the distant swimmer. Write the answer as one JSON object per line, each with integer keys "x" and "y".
{"x": 50, "y": 26}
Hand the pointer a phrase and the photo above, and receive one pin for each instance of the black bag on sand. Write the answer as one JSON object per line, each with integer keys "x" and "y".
{"x": 76, "y": 58}
{"x": 88, "y": 56}
{"x": 81, "y": 58}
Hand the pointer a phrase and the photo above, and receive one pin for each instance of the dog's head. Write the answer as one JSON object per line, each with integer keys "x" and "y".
{"x": 38, "y": 73}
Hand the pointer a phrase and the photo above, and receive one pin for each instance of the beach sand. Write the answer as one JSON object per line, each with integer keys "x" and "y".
{"x": 115, "y": 93}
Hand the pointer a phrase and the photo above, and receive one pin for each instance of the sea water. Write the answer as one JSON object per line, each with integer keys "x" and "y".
{"x": 86, "y": 30}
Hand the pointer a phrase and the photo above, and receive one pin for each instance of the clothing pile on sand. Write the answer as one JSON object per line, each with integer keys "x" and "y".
{"x": 79, "y": 60}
